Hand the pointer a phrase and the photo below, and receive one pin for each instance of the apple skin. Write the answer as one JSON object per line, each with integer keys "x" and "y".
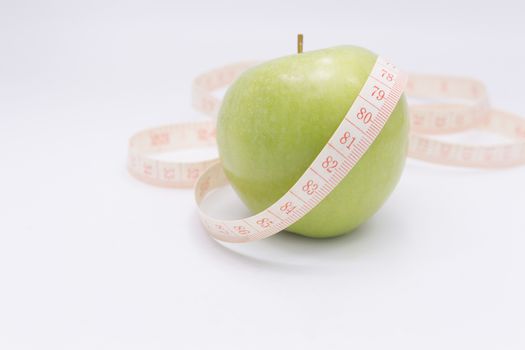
{"x": 276, "y": 118}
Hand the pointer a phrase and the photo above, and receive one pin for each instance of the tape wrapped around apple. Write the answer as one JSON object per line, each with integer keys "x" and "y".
{"x": 275, "y": 119}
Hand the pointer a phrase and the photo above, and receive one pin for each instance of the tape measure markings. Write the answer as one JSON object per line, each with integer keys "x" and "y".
{"x": 341, "y": 153}
{"x": 358, "y": 129}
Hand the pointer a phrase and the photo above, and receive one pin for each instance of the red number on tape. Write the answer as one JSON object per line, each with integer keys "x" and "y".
{"x": 169, "y": 173}
{"x": 329, "y": 163}
{"x": 364, "y": 115}
{"x": 264, "y": 222}
{"x": 378, "y": 93}
{"x": 346, "y": 139}
{"x": 387, "y": 75}
{"x": 193, "y": 174}
{"x": 241, "y": 230}
{"x": 288, "y": 207}
{"x": 148, "y": 169}
{"x": 310, "y": 187}
{"x": 160, "y": 139}
{"x": 222, "y": 229}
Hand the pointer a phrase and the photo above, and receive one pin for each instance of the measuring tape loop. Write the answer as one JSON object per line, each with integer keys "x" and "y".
{"x": 452, "y": 104}
{"x": 446, "y": 105}
{"x": 144, "y": 145}
{"x": 477, "y": 156}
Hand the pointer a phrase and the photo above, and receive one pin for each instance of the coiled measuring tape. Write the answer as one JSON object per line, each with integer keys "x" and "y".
{"x": 376, "y": 100}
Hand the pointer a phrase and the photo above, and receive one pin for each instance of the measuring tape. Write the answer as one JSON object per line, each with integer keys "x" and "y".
{"x": 382, "y": 90}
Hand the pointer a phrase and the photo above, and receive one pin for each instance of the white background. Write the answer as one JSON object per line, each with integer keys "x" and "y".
{"x": 92, "y": 259}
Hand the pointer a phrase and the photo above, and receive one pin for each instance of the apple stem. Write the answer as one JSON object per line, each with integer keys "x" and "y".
{"x": 299, "y": 43}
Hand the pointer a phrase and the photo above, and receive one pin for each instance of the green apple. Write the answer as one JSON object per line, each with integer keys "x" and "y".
{"x": 276, "y": 118}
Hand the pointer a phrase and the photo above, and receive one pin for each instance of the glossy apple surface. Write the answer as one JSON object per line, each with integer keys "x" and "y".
{"x": 276, "y": 118}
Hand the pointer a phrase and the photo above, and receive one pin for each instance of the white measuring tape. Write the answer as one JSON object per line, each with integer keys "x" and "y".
{"x": 379, "y": 96}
